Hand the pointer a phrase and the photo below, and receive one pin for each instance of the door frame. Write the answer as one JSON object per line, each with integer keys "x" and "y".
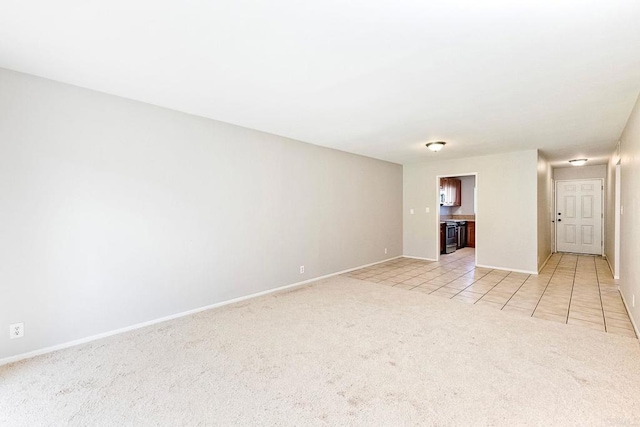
{"x": 437, "y": 216}
{"x": 555, "y": 209}
{"x": 617, "y": 219}
{"x": 554, "y": 234}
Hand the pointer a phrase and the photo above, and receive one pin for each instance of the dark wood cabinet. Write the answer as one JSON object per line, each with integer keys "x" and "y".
{"x": 443, "y": 237}
{"x": 450, "y": 192}
{"x": 471, "y": 234}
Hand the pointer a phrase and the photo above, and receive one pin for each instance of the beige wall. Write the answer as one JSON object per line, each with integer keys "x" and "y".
{"x": 545, "y": 214}
{"x": 506, "y": 221}
{"x": 115, "y": 212}
{"x": 580, "y": 172}
{"x": 630, "y": 219}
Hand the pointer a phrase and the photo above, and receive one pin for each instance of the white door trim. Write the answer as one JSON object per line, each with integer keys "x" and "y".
{"x": 554, "y": 246}
{"x": 616, "y": 216}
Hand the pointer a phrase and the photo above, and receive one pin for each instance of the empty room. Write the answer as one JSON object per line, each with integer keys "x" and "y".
{"x": 319, "y": 213}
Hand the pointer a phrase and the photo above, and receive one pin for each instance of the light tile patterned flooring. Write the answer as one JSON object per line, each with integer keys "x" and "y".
{"x": 573, "y": 289}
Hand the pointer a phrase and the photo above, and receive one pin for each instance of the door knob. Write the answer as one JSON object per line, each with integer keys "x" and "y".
{"x": 559, "y": 220}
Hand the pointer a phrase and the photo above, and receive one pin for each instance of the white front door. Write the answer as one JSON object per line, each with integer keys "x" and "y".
{"x": 579, "y": 216}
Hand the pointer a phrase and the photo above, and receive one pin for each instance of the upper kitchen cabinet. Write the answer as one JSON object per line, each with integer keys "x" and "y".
{"x": 450, "y": 192}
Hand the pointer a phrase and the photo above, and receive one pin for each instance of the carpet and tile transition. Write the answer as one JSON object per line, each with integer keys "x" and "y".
{"x": 337, "y": 352}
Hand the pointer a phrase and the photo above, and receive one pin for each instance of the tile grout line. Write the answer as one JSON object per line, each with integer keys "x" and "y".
{"x": 417, "y": 286}
{"x": 433, "y": 262}
{"x": 440, "y": 275}
{"x": 466, "y": 272}
{"x": 451, "y": 281}
{"x": 472, "y": 283}
{"x": 545, "y": 288}
{"x": 466, "y": 287}
{"x": 604, "y": 318}
{"x": 429, "y": 263}
{"x": 512, "y": 295}
{"x": 501, "y": 280}
{"x": 573, "y": 285}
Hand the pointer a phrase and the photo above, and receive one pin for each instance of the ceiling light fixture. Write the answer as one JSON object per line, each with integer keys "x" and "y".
{"x": 436, "y": 146}
{"x": 578, "y": 162}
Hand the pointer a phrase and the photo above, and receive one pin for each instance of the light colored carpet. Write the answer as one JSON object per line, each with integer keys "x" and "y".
{"x": 337, "y": 352}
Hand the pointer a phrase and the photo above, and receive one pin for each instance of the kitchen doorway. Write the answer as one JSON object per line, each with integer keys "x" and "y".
{"x": 579, "y": 216}
{"x": 456, "y": 219}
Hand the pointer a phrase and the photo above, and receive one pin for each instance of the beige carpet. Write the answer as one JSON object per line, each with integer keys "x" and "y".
{"x": 337, "y": 352}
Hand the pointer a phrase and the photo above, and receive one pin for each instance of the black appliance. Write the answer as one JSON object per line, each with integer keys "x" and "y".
{"x": 462, "y": 234}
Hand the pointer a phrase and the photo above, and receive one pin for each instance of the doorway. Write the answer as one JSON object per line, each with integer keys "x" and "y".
{"x": 579, "y": 218}
{"x": 457, "y": 199}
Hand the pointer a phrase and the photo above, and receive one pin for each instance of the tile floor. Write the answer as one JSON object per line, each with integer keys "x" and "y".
{"x": 573, "y": 289}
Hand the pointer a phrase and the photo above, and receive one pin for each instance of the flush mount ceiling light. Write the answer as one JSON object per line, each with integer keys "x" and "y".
{"x": 578, "y": 162}
{"x": 436, "y": 146}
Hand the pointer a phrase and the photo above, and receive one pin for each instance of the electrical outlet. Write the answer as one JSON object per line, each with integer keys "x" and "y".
{"x": 302, "y": 269}
{"x": 385, "y": 250}
{"x": 16, "y": 330}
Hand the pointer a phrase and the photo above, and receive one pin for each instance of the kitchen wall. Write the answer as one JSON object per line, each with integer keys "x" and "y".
{"x": 506, "y": 228}
{"x": 580, "y": 172}
{"x": 545, "y": 214}
{"x": 630, "y": 219}
{"x": 468, "y": 184}
{"x": 115, "y": 212}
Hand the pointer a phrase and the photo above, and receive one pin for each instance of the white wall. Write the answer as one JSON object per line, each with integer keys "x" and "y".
{"x": 630, "y": 219}
{"x": 580, "y": 172}
{"x": 545, "y": 215}
{"x": 506, "y": 227}
{"x": 115, "y": 212}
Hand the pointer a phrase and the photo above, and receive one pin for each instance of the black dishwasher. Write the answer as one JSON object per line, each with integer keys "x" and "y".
{"x": 462, "y": 234}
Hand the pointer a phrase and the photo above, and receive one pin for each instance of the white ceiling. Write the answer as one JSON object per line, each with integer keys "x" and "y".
{"x": 375, "y": 77}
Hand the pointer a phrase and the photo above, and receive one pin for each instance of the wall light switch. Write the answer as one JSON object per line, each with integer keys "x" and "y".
{"x": 411, "y": 211}
{"x": 427, "y": 210}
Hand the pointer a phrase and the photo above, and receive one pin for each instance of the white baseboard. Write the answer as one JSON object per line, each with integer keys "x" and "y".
{"x": 28, "y": 355}
{"x": 635, "y": 326}
{"x": 483, "y": 266}
{"x": 515, "y": 270}
{"x": 611, "y": 268}
{"x": 417, "y": 257}
{"x": 545, "y": 262}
